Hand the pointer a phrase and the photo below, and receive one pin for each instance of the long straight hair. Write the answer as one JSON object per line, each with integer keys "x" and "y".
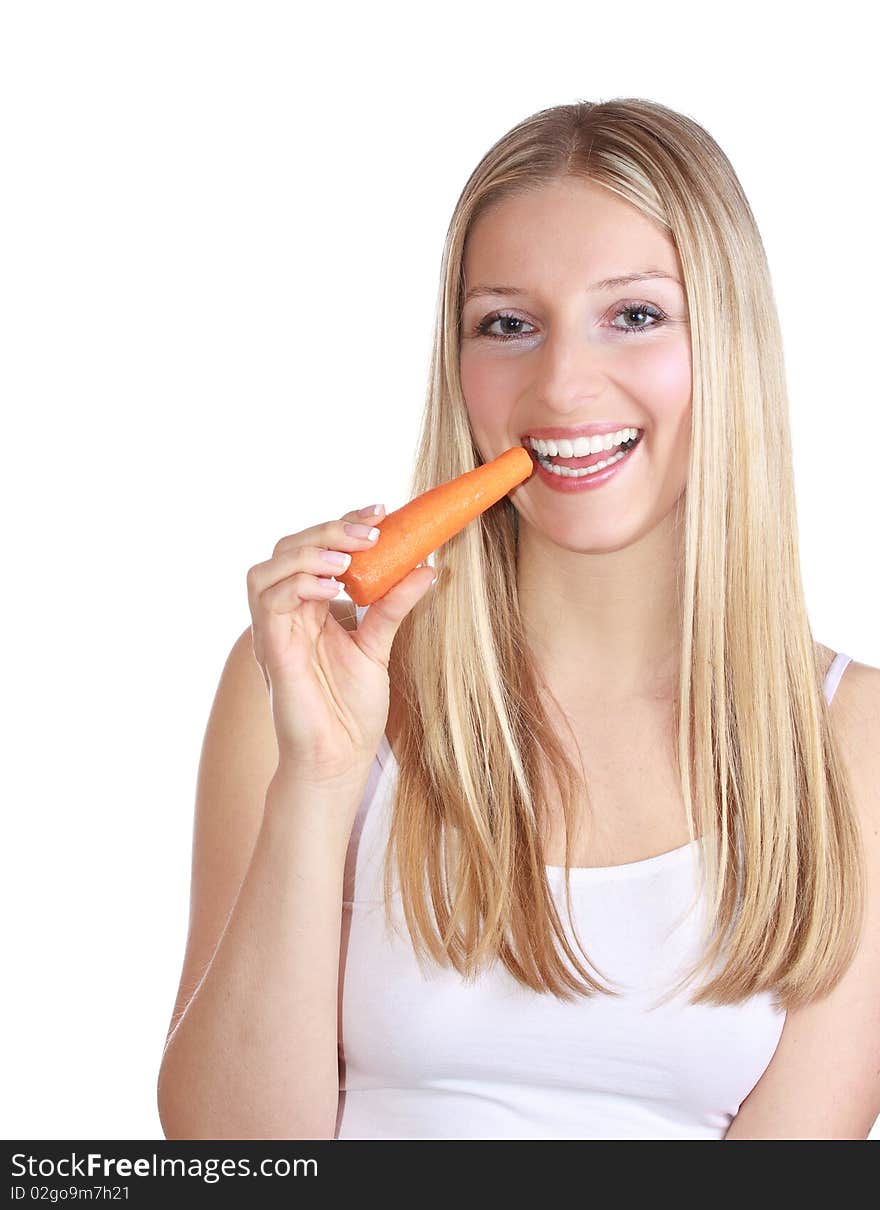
{"x": 761, "y": 779}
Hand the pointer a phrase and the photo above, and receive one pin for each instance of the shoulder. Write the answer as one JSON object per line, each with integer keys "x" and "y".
{"x": 824, "y": 657}
{"x": 855, "y": 720}
{"x": 859, "y": 689}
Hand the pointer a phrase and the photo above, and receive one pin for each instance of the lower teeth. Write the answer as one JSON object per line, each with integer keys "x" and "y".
{"x": 570, "y": 472}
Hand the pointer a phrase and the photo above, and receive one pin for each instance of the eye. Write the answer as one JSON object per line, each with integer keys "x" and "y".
{"x": 643, "y": 309}
{"x": 482, "y": 328}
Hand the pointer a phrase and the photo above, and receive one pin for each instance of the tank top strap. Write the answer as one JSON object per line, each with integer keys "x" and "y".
{"x": 834, "y": 673}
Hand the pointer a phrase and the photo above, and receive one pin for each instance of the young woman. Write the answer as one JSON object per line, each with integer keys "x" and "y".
{"x": 573, "y": 844}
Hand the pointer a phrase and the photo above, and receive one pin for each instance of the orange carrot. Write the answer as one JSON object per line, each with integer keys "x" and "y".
{"x": 412, "y": 532}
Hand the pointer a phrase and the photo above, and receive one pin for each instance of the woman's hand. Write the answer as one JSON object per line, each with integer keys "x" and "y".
{"x": 328, "y": 687}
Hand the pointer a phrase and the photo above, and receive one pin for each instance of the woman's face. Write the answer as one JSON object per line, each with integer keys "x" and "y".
{"x": 557, "y": 350}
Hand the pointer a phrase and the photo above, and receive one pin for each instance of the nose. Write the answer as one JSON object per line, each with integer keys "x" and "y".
{"x": 570, "y": 372}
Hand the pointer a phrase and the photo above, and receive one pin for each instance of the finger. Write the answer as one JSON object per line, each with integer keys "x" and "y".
{"x": 280, "y": 605}
{"x": 287, "y": 559}
{"x": 372, "y": 515}
{"x": 287, "y": 594}
{"x": 380, "y": 623}
{"x": 312, "y": 559}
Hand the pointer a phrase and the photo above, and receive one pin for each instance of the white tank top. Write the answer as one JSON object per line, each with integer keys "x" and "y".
{"x": 426, "y": 1055}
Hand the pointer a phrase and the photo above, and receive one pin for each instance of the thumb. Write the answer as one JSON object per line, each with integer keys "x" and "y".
{"x": 380, "y": 623}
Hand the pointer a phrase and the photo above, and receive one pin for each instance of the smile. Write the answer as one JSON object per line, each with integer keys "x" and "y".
{"x": 568, "y": 472}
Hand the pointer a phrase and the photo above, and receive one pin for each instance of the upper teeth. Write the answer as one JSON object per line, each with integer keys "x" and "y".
{"x": 581, "y": 446}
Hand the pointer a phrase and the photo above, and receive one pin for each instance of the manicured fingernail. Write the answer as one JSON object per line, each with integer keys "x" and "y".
{"x": 360, "y": 531}
{"x": 372, "y": 510}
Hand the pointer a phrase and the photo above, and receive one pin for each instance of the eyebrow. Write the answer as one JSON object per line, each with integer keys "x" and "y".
{"x": 607, "y": 283}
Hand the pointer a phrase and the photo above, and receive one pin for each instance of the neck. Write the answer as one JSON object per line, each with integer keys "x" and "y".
{"x": 603, "y": 627}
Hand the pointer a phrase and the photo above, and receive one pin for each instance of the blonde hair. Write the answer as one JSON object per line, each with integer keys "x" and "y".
{"x": 761, "y": 778}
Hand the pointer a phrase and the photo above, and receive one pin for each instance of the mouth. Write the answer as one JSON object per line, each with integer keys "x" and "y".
{"x": 584, "y": 456}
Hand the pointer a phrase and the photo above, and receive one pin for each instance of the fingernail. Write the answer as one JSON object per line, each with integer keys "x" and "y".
{"x": 361, "y": 531}
{"x": 337, "y": 557}
{"x": 372, "y": 510}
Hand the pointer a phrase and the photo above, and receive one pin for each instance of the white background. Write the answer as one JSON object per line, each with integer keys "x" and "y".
{"x": 221, "y": 235}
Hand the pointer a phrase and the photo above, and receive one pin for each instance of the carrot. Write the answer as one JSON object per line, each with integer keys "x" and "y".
{"x": 412, "y": 532}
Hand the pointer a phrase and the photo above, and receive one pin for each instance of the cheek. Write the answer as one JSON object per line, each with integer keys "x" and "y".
{"x": 485, "y": 384}
{"x": 669, "y": 403}
{"x": 666, "y": 382}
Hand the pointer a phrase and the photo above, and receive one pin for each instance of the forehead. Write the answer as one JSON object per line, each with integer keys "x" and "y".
{"x": 574, "y": 225}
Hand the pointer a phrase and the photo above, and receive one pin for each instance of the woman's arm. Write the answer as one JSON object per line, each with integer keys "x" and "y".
{"x": 823, "y": 1081}
{"x": 252, "y": 1049}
